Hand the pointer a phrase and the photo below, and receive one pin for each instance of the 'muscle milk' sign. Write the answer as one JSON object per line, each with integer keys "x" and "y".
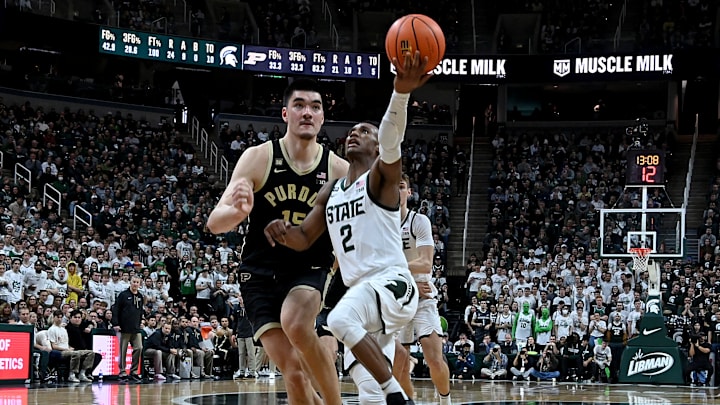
{"x": 661, "y": 63}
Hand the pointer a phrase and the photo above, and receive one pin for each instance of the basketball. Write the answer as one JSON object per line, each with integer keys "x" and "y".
{"x": 416, "y": 32}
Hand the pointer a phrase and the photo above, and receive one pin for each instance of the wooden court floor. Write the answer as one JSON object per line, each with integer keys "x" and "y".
{"x": 264, "y": 391}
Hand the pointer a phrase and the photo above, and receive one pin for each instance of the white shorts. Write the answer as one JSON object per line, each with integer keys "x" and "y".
{"x": 424, "y": 323}
{"x": 384, "y": 303}
{"x": 387, "y": 344}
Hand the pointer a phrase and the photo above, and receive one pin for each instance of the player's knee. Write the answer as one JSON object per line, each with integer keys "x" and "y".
{"x": 294, "y": 378}
{"x": 346, "y": 328}
{"x": 297, "y": 319}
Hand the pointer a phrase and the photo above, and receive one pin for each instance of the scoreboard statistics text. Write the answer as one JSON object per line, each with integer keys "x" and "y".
{"x": 216, "y": 54}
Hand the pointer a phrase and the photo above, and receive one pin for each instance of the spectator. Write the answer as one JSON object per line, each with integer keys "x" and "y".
{"x": 602, "y": 357}
{"x": 126, "y": 316}
{"x": 81, "y": 361}
{"x": 159, "y": 349}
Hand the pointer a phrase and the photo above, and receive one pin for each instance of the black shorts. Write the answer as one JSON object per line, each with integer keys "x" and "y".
{"x": 264, "y": 295}
{"x": 321, "y": 327}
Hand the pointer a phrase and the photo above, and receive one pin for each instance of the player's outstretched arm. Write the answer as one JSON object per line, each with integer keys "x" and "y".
{"x": 411, "y": 74}
{"x": 237, "y": 199}
{"x": 302, "y": 236}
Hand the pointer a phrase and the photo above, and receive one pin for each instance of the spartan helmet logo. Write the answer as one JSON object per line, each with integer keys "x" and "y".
{"x": 227, "y": 56}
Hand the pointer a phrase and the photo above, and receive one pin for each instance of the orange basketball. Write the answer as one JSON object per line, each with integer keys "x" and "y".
{"x": 416, "y": 32}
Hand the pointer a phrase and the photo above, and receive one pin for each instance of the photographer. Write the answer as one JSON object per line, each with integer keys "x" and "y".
{"x": 522, "y": 365}
{"x": 699, "y": 368}
{"x": 498, "y": 364}
{"x": 465, "y": 363}
{"x": 547, "y": 367}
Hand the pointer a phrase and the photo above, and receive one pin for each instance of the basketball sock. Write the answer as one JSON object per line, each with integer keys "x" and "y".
{"x": 392, "y": 386}
{"x": 445, "y": 399}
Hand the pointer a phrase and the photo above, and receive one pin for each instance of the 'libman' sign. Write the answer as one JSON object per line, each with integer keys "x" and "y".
{"x": 650, "y": 363}
{"x": 651, "y": 357}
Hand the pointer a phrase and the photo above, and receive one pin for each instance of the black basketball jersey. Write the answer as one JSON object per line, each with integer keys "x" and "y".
{"x": 289, "y": 195}
{"x": 616, "y": 333}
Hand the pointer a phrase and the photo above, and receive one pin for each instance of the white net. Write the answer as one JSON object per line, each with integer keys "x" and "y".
{"x": 640, "y": 259}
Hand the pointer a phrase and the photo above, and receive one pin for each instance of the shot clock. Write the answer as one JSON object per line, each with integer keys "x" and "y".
{"x": 645, "y": 168}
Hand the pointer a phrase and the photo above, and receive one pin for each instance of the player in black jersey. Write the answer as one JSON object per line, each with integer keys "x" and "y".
{"x": 281, "y": 287}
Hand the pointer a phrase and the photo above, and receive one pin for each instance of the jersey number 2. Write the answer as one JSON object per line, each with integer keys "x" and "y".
{"x": 346, "y": 233}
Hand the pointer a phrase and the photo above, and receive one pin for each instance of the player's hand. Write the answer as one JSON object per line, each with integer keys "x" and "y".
{"x": 117, "y": 328}
{"x": 424, "y": 289}
{"x": 242, "y": 196}
{"x": 276, "y": 230}
{"x": 411, "y": 73}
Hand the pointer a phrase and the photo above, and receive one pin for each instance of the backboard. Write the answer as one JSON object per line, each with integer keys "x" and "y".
{"x": 660, "y": 229}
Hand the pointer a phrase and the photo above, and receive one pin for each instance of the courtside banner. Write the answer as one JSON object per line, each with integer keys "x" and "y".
{"x": 15, "y": 352}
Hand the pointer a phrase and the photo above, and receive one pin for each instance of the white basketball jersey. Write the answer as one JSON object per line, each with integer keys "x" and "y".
{"x": 365, "y": 236}
{"x": 416, "y": 231}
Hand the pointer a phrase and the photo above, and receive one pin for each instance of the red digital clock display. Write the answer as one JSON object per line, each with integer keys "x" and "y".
{"x": 645, "y": 168}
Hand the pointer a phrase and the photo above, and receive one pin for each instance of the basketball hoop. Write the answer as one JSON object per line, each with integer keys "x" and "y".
{"x": 640, "y": 258}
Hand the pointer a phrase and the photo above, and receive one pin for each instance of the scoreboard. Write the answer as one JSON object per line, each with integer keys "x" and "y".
{"x": 217, "y": 54}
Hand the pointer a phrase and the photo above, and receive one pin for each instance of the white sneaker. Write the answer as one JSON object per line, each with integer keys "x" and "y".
{"x": 194, "y": 376}
{"x": 83, "y": 378}
{"x": 271, "y": 375}
{"x": 445, "y": 400}
{"x": 160, "y": 377}
{"x": 238, "y": 374}
{"x": 72, "y": 378}
{"x": 175, "y": 376}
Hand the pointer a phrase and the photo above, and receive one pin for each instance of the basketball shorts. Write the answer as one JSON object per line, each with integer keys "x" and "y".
{"x": 321, "y": 327}
{"x": 264, "y": 295}
{"x": 383, "y": 303}
{"x": 424, "y": 323}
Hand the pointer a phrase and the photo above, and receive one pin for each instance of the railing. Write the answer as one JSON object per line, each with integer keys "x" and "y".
{"x": 688, "y": 181}
{"x": 76, "y": 218}
{"x": 570, "y": 42}
{"x": 333, "y": 32}
{"x": 2, "y": 160}
{"x": 467, "y": 198}
{"x": 185, "y": 10}
{"x": 691, "y": 163}
{"x": 224, "y": 167}
{"x": 618, "y": 30}
{"x": 157, "y": 21}
{"x": 52, "y": 6}
{"x": 335, "y": 37}
{"x": 56, "y": 200}
{"x": 213, "y": 156}
{"x": 24, "y": 173}
{"x": 304, "y": 40}
{"x": 474, "y": 28}
{"x": 219, "y": 164}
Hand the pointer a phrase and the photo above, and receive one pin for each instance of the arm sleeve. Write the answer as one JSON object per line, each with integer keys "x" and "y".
{"x": 392, "y": 128}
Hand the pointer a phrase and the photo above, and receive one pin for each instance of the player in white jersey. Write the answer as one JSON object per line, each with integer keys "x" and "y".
{"x": 419, "y": 247}
{"x": 361, "y": 213}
